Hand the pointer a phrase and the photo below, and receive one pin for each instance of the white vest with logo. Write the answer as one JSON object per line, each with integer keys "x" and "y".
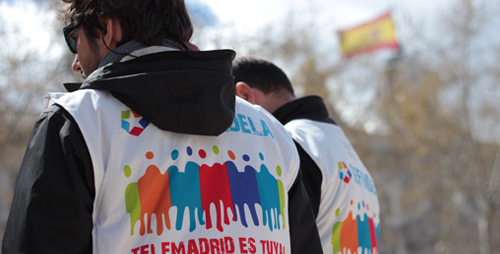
{"x": 163, "y": 192}
{"x": 348, "y": 217}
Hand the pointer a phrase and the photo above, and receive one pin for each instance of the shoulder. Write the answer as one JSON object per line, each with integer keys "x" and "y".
{"x": 76, "y": 100}
{"x": 244, "y": 107}
{"x": 54, "y": 115}
{"x": 259, "y": 121}
{"x": 311, "y": 127}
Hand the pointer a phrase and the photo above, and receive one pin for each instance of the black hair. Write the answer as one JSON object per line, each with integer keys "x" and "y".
{"x": 146, "y": 21}
{"x": 260, "y": 73}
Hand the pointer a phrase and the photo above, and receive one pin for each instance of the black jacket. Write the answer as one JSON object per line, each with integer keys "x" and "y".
{"x": 53, "y": 201}
{"x": 311, "y": 108}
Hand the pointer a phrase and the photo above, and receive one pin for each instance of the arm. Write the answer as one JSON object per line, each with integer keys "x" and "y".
{"x": 304, "y": 234}
{"x": 53, "y": 200}
{"x": 311, "y": 177}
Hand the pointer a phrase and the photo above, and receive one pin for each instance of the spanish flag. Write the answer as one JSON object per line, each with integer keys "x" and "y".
{"x": 368, "y": 37}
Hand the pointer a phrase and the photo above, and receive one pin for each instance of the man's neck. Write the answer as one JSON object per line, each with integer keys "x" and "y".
{"x": 126, "y": 49}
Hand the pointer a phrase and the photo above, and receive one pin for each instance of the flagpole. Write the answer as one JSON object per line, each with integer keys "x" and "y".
{"x": 391, "y": 67}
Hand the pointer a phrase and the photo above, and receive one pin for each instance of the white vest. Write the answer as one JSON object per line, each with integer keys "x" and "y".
{"x": 348, "y": 218}
{"x": 164, "y": 192}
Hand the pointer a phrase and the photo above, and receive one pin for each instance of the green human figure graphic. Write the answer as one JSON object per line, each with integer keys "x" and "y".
{"x": 281, "y": 190}
{"x": 336, "y": 234}
{"x": 132, "y": 201}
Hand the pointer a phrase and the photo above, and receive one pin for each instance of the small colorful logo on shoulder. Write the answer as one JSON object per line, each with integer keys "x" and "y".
{"x": 344, "y": 172}
{"x": 133, "y": 123}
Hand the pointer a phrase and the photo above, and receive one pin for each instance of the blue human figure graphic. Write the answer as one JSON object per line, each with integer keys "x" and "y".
{"x": 364, "y": 233}
{"x": 269, "y": 196}
{"x": 185, "y": 193}
{"x": 245, "y": 190}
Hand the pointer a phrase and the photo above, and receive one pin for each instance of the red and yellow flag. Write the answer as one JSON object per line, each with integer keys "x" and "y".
{"x": 370, "y": 36}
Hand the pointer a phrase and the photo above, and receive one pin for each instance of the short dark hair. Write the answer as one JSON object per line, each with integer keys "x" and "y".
{"x": 259, "y": 73}
{"x": 146, "y": 21}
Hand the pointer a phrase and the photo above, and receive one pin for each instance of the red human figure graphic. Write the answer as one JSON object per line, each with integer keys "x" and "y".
{"x": 215, "y": 187}
{"x": 373, "y": 236}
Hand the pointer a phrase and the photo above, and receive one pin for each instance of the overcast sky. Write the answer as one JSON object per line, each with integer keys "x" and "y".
{"x": 249, "y": 16}
{"x": 329, "y": 16}
{"x": 338, "y": 14}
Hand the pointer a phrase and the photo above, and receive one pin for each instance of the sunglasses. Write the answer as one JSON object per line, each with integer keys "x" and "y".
{"x": 67, "y": 31}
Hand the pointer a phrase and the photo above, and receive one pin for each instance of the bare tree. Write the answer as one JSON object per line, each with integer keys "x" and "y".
{"x": 435, "y": 111}
{"x": 474, "y": 168}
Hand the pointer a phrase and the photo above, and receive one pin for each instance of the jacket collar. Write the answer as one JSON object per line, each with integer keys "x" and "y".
{"x": 188, "y": 92}
{"x": 309, "y": 107}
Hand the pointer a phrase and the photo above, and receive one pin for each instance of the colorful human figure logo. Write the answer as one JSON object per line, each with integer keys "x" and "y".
{"x": 361, "y": 227}
{"x": 193, "y": 188}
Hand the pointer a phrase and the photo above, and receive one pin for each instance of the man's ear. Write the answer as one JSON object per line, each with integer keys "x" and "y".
{"x": 112, "y": 32}
{"x": 244, "y": 91}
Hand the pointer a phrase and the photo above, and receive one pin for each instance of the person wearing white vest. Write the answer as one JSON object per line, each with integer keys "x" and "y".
{"x": 341, "y": 190}
{"x": 153, "y": 153}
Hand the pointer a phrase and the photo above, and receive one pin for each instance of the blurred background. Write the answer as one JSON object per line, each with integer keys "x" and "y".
{"x": 423, "y": 111}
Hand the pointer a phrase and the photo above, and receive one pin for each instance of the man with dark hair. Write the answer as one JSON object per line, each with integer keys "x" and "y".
{"x": 341, "y": 190}
{"x": 153, "y": 153}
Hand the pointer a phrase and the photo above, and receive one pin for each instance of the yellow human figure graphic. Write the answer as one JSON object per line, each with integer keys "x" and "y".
{"x": 281, "y": 190}
{"x": 132, "y": 200}
{"x": 336, "y": 234}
